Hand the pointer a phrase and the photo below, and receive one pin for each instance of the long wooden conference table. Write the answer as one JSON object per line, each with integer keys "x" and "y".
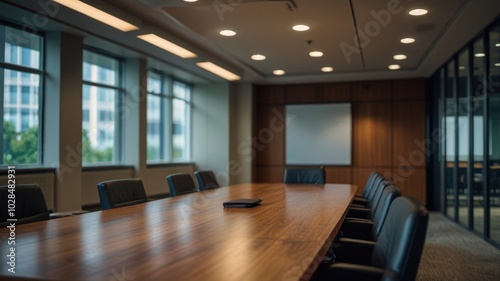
{"x": 189, "y": 237}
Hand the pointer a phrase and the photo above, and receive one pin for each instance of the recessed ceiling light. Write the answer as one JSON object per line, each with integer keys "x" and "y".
{"x": 479, "y": 55}
{"x": 258, "y": 57}
{"x": 407, "y": 40}
{"x": 497, "y": 45}
{"x": 394, "y": 66}
{"x": 300, "y": 27}
{"x": 497, "y": 64}
{"x": 190, "y": 1}
{"x": 418, "y": 12}
{"x": 327, "y": 69}
{"x": 316, "y": 54}
{"x": 278, "y": 72}
{"x": 461, "y": 67}
{"x": 399, "y": 57}
{"x": 227, "y": 32}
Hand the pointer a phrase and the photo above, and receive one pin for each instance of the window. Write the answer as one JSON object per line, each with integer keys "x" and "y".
{"x": 25, "y": 95}
{"x": 168, "y": 117}
{"x": 85, "y": 115}
{"x": 101, "y": 97}
{"x": 105, "y": 116}
{"x": 20, "y": 78}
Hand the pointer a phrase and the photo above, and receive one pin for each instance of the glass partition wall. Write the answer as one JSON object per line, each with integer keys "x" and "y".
{"x": 463, "y": 113}
{"x": 494, "y": 131}
{"x": 449, "y": 120}
{"x": 466, "y": 102}
{"x": 477, "y": 130}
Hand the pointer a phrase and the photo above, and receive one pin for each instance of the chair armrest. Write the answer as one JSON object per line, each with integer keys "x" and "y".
{"x": 359, "y": 201}
{"x": 347, "y": 271}
{"x": 357, "y": 220}
{"x": 357, "y": 229}
{"x": 356, "y": 212}
{"x": 356, "y": 205}
{"x": 355, "y": 251}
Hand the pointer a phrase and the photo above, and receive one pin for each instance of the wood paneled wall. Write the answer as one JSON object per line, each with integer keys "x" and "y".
{"x": 388, "y": 130}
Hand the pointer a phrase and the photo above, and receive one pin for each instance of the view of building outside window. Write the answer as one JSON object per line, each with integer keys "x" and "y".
{"x": 101, "y": 98}
{"x": 21, "y": 77}
{"x": 168, "y": 115}
{"x": 181, "y": 121}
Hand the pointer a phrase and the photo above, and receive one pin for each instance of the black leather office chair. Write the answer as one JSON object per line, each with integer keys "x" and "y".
{"x": 307, "y": 175}
{"x": 180, "y": 184}
{"x": 370, "y": 186}
{"x": 395, "y": 255}
{"x": 367, "y": 212}
{"x": 30, "y": 204}
{"x": 121, "y": 193}
{"x": 367, "y": 229}
{"x": 206, "y": 180}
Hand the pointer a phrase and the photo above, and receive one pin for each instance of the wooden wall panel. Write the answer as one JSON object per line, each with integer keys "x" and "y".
{"x": 360, "y": 176}
{"x": 388, "y": 116}
{"x": 372, "y": 131}
{"x": 270, "y": 95}
{"x": 408, "y": 127}
{"x": 271, "y": 174}
{"x": 335, "y": 174}
{"x": 269, "y": 138}
{"x": 412, "y": 182}
{"x": 307, "y": 93}
{"x": 409, "y": 89}
{"x": 335, "y": 92}
{"x": 372, "y": 91}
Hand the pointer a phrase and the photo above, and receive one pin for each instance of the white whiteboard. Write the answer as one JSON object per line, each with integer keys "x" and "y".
{"x": 318, "y": 134}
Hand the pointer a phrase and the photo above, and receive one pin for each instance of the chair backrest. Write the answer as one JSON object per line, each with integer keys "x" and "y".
{"x": 121, "y": 192}
{"x": 390, "y": 193}
{"x": 180, "y": 184}
{"x": 373, "y": 204}
{"x": 370, "y": 183}
{"x": 375, "y": 185}
{"x": 206, "y": 180}
{"x": 30, "y": 204}
{"x": 401, "y": 241}
{"x": 306, "y": 175}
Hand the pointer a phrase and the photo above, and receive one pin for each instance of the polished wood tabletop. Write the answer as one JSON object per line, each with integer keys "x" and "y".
{"x": 189, "y": 237}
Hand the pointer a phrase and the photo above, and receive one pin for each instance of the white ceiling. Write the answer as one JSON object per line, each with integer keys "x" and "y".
{"x": 265, "y": 27}
{"x": 337, "y": 28}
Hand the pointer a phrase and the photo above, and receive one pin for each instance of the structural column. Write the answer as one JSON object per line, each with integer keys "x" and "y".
{"x": 62, "y": 123}
{"x": 134, "y": 115}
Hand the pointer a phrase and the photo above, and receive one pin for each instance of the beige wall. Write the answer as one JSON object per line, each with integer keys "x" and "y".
{"x": 241, "y": 113}
{"x": 210, "y": 133}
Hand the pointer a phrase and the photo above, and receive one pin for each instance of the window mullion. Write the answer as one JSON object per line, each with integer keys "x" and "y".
{"x": 19, "y": 68}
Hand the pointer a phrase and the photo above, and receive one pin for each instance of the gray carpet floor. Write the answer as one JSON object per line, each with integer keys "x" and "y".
{"x": 453, "y": 253}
